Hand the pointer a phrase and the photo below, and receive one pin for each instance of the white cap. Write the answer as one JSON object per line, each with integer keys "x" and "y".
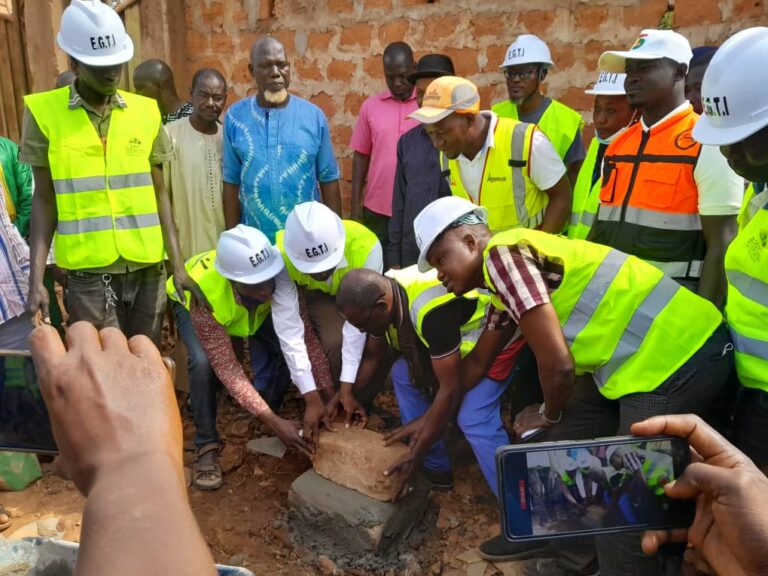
{"x": 527, "y": 49}
{"x": 245, "y": 255}
{"x": 608, "y": 84}
{"x": 92, "y": 33}
{"x": 314, "y": 238}
{"x": 733, "y": 92}
{"x": 650, "y": 45}
{"x": 435, "y": 218}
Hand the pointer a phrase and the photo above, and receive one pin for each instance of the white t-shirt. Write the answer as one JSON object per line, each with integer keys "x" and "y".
{"x": 721, "y": 190}
{"x": 547, "y": 167}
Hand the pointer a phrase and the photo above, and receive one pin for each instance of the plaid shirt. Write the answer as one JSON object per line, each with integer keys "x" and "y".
{"x": 14, "y": 267}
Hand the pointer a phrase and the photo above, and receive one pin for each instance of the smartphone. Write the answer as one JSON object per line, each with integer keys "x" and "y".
{"x": 24, "y": 422}
{"x": 560, "y": 489}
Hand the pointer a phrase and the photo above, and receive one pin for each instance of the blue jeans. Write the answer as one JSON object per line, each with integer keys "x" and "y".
{"x": 479, "y": 418}
{"x": 271, "y": 376}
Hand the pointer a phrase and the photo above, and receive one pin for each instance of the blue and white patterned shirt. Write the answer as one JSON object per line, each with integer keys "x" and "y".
{"x": 14, "y": 267}
{"x": 277, "y": 156}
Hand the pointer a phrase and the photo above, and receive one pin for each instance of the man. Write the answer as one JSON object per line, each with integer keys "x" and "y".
{"x": 611, "y": 115}
{"x": 664, "y": 197}
{"x": 381, "y": 122}
{"x": 585, "y": 309}
{"x": 277, "y": 148}
{"x": 248, "y": 291}
{"x": 154, "y": 79}
{"x": 702, "y": 56}
{"x": 433, "y": 330}
{"x": 505, "y": 165}
{"x": 96, "y": 154}
{"x": 319, "y": 248}
{"x": 526, "y": 66}
{"x": 418, "y": 178}
{"x": 735, "y": 119}
{"x": 16, "y": 179}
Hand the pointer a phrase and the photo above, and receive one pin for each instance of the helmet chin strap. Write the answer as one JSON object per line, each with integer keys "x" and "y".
{"x": 520, "y": 101}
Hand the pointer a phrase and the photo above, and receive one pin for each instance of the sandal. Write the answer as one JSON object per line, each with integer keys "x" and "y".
{"x": 206, "y": 472}
{"x": 7, "y": 523}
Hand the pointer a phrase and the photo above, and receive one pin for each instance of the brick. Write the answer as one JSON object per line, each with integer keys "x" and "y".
{"x": 222, "y": 43}
{"x": 496, "y": 26}
{"x": 307, "y": 70}
{"x": 378, "y": 4}
{"x": 341, "y": 6}
{"x": 345, "y": 524}
{"x": 197, "y": 43}
{"x": 373, "y": 67}
{"x": 213, "y": 13}
{"x": 287, "y": 39}
{"x": 340, "y": 136}
{"x": 697, "y": 13}
{"x": 588, "y": 18}
{"x": 356, "y": 35}
{"x": 340, "y": 71}
{"x": 645, "y": 14}
{"x": 353, "y": 101}
{"x": 464, "y": 60}
{"x": 319, "y": 41}
{"x": 437, "y": 28}
{"x": 562, "y": 54}
{"x": 325, "y": 102}
{"x": 535, "y": 22}
{"x": 495, "y": 55}
{"x": 356, "y": 458}
{"x": 394, "y": 31}
{"x": 749, "y": 9}
{"x": 576, "y": 99}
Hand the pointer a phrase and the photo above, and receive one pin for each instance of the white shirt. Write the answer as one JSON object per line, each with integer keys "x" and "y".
{"x": 290, "y": 329}
{"x": 721, "y": 190}
{"x": 546, "y": 166}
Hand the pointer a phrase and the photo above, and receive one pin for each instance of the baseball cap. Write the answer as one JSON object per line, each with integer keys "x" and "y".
{"x": 608, "y": 84}
{"x": 436, "y": 217}
{"x": 650, "y": 45}
{"x": 447, "y": 95}
{"x": 432, "y": 66}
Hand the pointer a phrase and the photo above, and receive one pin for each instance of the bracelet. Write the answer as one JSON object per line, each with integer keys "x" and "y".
{"x": 542, "y": 413}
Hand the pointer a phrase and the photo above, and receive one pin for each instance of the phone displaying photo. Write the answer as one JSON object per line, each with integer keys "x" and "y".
{"x": 24, "y": 423}
{"x": 558, "y": 489}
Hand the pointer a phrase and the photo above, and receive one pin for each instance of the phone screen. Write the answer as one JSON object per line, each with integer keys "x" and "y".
{"x": 24, "y": 423}
{"x": 613, "y": 485}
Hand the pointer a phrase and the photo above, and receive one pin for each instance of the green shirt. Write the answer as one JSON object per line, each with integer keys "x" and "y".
{"x": 18, "y": 176}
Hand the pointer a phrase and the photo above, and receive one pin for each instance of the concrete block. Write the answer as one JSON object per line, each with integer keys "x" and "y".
{"x": 356, "y": 458}
{"x": 344, "y": 524}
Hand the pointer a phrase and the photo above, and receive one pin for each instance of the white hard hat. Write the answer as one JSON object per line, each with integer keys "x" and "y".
{"x": 650, "y": 45}
{"x": 314, "y": 238}
{"x": 527, "y": 49}
{"x": 608, "y": 84}
{"x": 435, "y": 218}
{"x": 92, "y": 33}
{"x": 733, "y": 92}
{"x": 245, "y": 255}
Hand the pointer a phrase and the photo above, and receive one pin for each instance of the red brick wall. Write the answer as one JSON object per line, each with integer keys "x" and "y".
{"x": 335, "y": 46}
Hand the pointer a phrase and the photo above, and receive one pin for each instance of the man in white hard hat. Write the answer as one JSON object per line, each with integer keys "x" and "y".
{"x": 736, "y": 119}
{"x": 611, "y": 115}
{"x": 97, "y": 155}
{"x": 249, "y": 292}
{"x": 665, "y": 198}
{"x": 505, "y": 165}
{"x": 526, "y": 65}
{"x": 319, "y": 248}
{"x": 585, "y": 309}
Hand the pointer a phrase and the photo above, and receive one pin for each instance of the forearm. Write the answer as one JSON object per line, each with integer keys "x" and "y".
{"x": 137, "y": 520}
{"x": 557, "y": 383}
{"x": 352, "y": 349}
{"x": 360, "y": 164}
{"x": 232, "y": 207}
{"x": 436, "y": 418}
{"x": 43, "y": 224}
{"x": 375, "y": 349}
{"x": 558, "y": 209}
{"x": 331, "y": 196}
{"x": 713, "y": 284}
{"x": 165, "y": 213}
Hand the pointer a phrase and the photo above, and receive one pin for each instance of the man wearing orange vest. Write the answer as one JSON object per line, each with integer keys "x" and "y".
{"x": 666, "y": 198}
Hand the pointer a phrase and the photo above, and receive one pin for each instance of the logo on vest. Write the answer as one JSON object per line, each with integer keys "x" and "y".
{"x": 259, "y": 258}
{"x": 103, "y": 42}
{"x": 685, "y": 141}
{"x": 135, "y": 148}
{"x": 716, "y": 106}
{"x": 493, "y": 179}
{"x": 315, "y": 251}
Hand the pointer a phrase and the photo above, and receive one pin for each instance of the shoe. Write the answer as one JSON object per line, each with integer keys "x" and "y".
{"x": 440, "y": 480}
{"x": 499, "y": 549}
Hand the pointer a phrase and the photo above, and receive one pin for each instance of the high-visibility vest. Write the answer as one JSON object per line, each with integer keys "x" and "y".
{"x": 358, "y": 245}
{"x": 426, "y": 293}
{"x": 746, "y": 308}
{"x": 506, "y": 189}
{"x": 237, "y": 319}
{"x": 104, "y": 193}
{"x": 561, "y": 124}
{"x": 625, "y": 322}
{"x": 586, "y": 195}
{"x": 649, "y": 201}
{"x": 751, "y": 204}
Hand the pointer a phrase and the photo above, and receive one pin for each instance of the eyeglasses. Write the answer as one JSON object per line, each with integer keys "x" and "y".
{"x": 521, "y": 75}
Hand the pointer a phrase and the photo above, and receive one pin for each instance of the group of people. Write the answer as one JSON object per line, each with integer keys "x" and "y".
{"x": 488, "y": 253}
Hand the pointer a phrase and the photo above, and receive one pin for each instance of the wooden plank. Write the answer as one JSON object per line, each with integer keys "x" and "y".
{"x": 43, "y": 56}
{"x": 125, "y": 5}
{"x": 7, "y": 88}
{"x": 133, "y": 27}
{"x": 18, "y": 67}
{"x": 6, "y": 10}
{"x": 3, "y": 125}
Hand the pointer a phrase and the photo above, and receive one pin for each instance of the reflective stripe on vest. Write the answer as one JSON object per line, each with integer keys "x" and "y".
{"x": 624, "y": 321}
{"x": 746, "y": 309}
{"x": 358, "y": 245}
{"x": 510, "y": 155}
{"x": 649, "y": 197}
{"x": 234, "y": 317}
{"x": 105, "y": 198}
{"x": 586, "y": 196}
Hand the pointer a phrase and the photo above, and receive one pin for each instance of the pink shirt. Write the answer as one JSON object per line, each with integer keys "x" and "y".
{"x": 381, "y": 122}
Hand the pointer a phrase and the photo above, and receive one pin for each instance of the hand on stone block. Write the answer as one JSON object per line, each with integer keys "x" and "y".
{"x": 315, "y": 414}
{"x": 355, "y": 412}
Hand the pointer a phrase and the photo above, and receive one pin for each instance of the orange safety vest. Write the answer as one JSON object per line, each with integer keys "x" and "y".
{"x": 649, "y": 201}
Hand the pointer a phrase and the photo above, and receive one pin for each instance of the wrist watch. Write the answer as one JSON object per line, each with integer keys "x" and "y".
{"x": 543, "y": 414}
